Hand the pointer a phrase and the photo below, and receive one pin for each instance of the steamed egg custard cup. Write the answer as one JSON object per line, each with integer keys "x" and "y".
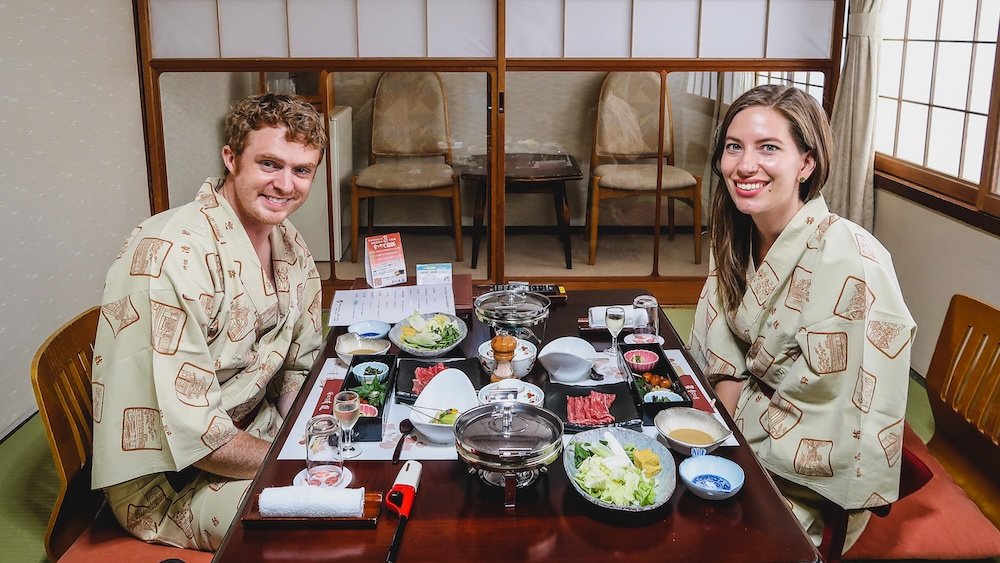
{"x": 711, "y": 477}
{"x": 450, "y": 389}
{"x": 669, "y": 421}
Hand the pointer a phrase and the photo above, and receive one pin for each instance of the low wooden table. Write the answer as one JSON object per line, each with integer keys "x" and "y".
{"x": 528, "y": 173}
{"x": 457, "y": 517}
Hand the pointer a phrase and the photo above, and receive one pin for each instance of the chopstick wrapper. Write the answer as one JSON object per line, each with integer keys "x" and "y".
{"x": 308, "y": 501}
{"x": 633, "y": 317}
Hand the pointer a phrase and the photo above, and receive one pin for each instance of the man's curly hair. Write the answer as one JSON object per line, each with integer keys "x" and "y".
{"x": 302, "y": 122}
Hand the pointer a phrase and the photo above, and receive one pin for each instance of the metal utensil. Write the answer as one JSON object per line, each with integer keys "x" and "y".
{"x": 405, "y": 427}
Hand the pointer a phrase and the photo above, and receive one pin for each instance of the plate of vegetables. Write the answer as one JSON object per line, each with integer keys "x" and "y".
{"x": 428, "y": 335}
{"x": 620, "y": 469}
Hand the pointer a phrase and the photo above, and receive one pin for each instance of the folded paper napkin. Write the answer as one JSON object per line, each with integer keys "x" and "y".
{"x": 633, "y": 317}
{"x": 305, "y": 500}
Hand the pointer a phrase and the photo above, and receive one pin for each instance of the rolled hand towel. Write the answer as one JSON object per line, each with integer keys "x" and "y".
{"x": 633, "y": 317}
{"x": 305, "y": 500}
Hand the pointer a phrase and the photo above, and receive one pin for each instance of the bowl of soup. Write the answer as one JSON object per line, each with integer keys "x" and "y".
{"x": 684, "y": 428}
{"x": 351, "y": 344}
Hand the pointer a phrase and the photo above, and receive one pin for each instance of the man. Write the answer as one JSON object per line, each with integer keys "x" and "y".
{"x": 211, "y": 319}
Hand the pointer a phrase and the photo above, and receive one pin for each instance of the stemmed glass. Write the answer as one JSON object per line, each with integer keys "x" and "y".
{"x": 614, "y": 319}
{"x": 347, "y": 409}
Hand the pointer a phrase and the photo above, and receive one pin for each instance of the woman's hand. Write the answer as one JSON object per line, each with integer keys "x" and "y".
{"x": 728, "y": 391}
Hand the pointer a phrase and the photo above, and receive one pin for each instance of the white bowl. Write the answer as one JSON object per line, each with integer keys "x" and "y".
{"x": 524, "y": 357}
{"x": 349, "y": 344}
{"x": 359, "y": 371}
{"x": 675, "y": 418}
{"x": 568, "y": 359}
{"x": 711, "y": 477}
{"x": 526, "y": 392}
{"x": 396, "y": 335}
{"x": 370, "y": 329}
{"x": 450, "y": 389}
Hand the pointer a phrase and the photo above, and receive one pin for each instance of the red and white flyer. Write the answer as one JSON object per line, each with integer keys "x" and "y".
{"x": 384, "y": 262}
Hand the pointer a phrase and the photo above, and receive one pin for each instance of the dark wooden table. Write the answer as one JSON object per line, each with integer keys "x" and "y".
{"x": 528, "y": 173}
{"x": 457, "y": 517}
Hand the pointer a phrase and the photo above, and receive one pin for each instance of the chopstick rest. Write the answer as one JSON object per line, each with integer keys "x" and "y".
{"x": 305, "y": 500}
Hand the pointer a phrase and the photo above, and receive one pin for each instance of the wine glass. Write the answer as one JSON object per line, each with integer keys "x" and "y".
{"x": 347, "y": 409}
{"x": 614, "y": 319}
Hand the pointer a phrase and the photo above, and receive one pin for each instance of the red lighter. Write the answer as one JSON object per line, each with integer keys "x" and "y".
{"x": 400, "y": 500}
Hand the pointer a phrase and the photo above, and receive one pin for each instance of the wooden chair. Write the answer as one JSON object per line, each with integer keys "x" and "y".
{"x": 623, "y": 160}
{"x": 80, "y": 528}
{"x": 410, "y": 151}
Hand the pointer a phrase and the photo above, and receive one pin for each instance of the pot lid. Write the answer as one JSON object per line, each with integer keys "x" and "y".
{"x": 508, "y": 433}
{"x": 511, "y": 307}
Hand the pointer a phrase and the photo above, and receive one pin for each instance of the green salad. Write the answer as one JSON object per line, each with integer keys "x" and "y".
{"x": 435, "y": 333}
{"x": 608, "y": 472}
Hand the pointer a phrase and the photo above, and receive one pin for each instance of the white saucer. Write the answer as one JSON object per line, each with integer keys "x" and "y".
{"x": 345, "y": 479}
{"x": 643, "y": 339}
{"x": 608, "y": 367}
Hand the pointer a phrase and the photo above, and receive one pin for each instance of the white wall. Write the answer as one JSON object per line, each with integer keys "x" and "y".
{"x": 935, "y": 258}
{"x": 73, "y": 174}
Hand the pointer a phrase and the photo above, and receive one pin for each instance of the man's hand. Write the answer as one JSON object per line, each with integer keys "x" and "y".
{"x": 728, "y": 391}
{"x": 239, "y": 458}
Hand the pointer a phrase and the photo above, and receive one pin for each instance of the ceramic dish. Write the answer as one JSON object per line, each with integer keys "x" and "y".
{"x": 669, "y": 421}
{"x": 349, "y": 344}
{"x": 396, "y": 335}
{"x": 711, "y": 477}
{"x": 666, "y": 479}
{"x": 450, "y": 389}
{"x": 370, "y": 329}
{"x": 622, "y": 408}
{"x": 641, "y": 360}
{"x": 524, "y": 357}
{"x": 345, "y": 479}
{"x": 523, "y": 391}
{"x": 368, "y": 371}
{"x": 568, "y": 359}
{"x": 406, "y": 375}
{"x": 643, "y": 339}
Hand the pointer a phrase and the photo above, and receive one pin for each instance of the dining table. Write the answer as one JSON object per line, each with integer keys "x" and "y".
{"x": 457, "y": 516}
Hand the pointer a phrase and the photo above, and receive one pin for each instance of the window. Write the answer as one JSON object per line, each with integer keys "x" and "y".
{"x": 935, "y": 97}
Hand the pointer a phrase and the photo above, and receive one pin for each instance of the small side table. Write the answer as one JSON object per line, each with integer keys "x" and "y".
{"x": 528, "y": 173}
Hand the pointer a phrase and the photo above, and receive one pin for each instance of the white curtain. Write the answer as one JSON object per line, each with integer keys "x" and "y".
{"x": 849, "y": 191}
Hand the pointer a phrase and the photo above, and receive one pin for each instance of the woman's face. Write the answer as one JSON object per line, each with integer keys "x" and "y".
{"x": 762, "y": 165}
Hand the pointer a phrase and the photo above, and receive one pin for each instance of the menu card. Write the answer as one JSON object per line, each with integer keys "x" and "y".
{"x": 391, "y": 304}
{"x": 384, "y": 262}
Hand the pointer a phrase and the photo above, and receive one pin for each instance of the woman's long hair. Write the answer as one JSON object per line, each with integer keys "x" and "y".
{"x": 731, "y": 229}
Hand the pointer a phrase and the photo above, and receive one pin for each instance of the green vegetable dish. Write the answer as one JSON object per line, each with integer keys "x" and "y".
{"x": 434, "y": 333}
{"x": 371, "y": 392}
{"x": 616, "y": 474}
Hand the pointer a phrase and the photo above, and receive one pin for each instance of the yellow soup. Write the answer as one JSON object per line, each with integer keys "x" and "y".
{"x": 691, "y": 436}
{"x": 363, "y": 352}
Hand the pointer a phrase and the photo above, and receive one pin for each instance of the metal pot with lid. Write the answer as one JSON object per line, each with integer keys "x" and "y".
{"x": 508, "y": 443}
{"x": 516, "y": 311}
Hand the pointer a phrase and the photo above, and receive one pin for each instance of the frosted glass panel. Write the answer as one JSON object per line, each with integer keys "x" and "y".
{"x": 917, "y": 69}
{"x": 982, "y": 77}
{"x": 989, "y": 16}
{"x": 323, "y": 28}
{"x": 534, "y": 28}
{"x": 888, "y": 68}
{"x": 912, "y": 128}
{"x": 598, "y": 28}
{"x": 958, "y": 20}
{"x": 800, "y": 29}
{"x": 893, "y": 19}
{"x": 923, "y": 19}
{"x": 885, "y": 128}
{"x": 392, "y": 28}
{"x": 733, "y": 28}
{"x": 974, "y": 139}
{"x": 461, "y": 28}
{"x": 253, "y": 28}
{"x": 184, "y": 28}
{"x": 652, "y": 17}
{"x": 951, "y": 85}
{"x": 945, "y": 145}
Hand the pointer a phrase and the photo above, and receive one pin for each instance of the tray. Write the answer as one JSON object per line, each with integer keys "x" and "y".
{"x": 369, "y": 429}
{"x": 638, "y": 386}
{"x": 407, "y": 366}
{"x": 368, "y": 518}
{"x": 623, "y": 408}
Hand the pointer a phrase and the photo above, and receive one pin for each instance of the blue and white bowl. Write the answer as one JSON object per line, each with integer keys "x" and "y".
{"x": 709, "y": 476}
{"x": 370, "y": 329}
{"x": 381, "y": 371}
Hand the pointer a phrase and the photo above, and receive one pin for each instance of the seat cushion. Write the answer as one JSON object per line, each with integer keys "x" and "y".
{"x": 105, "y": 540}
{"x": 642, "y": 177}
{"x": 936, "y": 522}
{"x": 406, "y": 175}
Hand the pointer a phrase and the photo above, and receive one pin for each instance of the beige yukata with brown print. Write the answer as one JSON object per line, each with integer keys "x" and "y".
{"x": 822, "y": 324}
{"x": 195, "y": 342}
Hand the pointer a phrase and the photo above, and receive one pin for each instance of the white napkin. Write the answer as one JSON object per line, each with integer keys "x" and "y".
{"x": 633, "y": 317}
{"x": 305, "y": 500}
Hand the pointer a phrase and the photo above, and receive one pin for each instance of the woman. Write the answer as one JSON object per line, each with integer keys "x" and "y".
{"x": 801, "y": 325}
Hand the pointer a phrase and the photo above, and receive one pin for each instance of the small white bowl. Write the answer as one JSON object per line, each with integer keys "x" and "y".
{"x": 349, "y": 344}
{"x": 568, "y": 359}
{"x": 661, "y": 396}
{"x": 711, "y": 477}
{"x": 525, "y": 392}
{"x": 524, "y": 357}
{"x": 370, "y": 329}
{"x": 675, "y": 418}
{"x": 450, "y": 389}
{"x": 381, "y": 370}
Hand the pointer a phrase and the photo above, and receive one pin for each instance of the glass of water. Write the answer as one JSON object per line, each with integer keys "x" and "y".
{"x": 647, "y": 327}
{"x": 614, "y": 319}
{"x": 324, "y": 459}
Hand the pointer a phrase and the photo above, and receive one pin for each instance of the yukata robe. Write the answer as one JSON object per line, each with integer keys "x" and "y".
{"x": 194, "y": 342}
{"x": 822, "y": 339}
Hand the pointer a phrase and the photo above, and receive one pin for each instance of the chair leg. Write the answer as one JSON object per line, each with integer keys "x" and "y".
{"x": 670, "y": 218}
{"x": 595, "y": 202}
{"x": 456, "y": 219}
{"x": 355, "y": 216}
{"x": 477, "y": 220}
{"x": 697, "y": 220}
{"x": 371, "y": 216}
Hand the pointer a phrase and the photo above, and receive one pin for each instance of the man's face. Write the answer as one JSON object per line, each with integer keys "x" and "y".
{"x": 270, "y": 179}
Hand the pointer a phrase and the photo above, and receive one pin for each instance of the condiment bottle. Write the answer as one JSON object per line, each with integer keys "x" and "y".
{"x": 503, "y": 345}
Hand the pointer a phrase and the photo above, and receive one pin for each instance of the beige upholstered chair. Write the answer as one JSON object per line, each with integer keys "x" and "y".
{"x": 623, "y": 162}
{"x": 410, "y": 149}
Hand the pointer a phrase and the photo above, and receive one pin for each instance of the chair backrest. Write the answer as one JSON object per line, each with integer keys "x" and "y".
{"x": 628, "y": 117}
{"x": 963, "y": 381}
{"x": 410, "y": 116}
{"x": 61, "y": 377}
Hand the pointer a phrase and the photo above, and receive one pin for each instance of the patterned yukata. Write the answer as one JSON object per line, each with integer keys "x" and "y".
{"x": 822, "y": 340}
{"x": 195, "y": 342}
